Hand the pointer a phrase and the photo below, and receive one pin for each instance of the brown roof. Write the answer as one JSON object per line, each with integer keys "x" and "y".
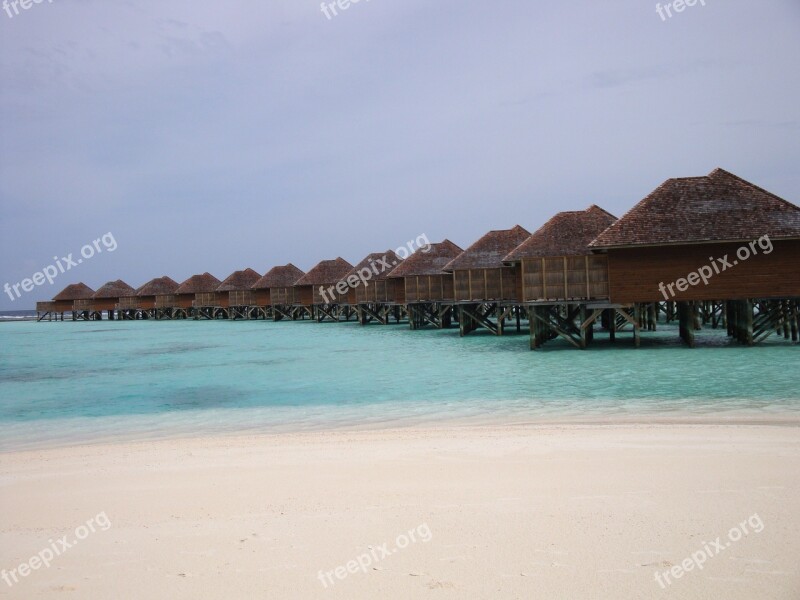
{"x": 716, "y": 208}
{"x": 566, "y": 234}
{"x": 489, "y": 251}
{"x": 114, "y": 289}
{"x": 161, "y": 286}
{"x": 375, "y": 262}
{"x": 328, "y": 271}
{"x": 74, "y": 291}
{"x": 428, "y": 263}
{"x": 198, "y": 284}
{"x": 239, "y": 281}
{"x": 278, "y": 277}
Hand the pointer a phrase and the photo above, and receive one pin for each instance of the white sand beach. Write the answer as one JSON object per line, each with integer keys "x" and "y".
{"x": 524, "y": 511}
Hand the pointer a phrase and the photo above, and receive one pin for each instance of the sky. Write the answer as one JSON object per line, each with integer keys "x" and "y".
{"x": 216, "y": 136}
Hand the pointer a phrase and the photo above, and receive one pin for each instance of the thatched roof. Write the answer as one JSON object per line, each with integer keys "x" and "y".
{"x": 279, "y": 277}
{"x": 375, "y": 261}
{"x": 326, "y": 272}
{"x": 566, "y": 234}
{"x": 161, "y": 286}
{"x": 74, "y": 291}
{"x": 719, "y": 207}
{"x": 489, "y": 251}
{"x": 428, "y": 263}
{"x": 199, "y": 284}
{"x": 114, "y": 289}
{"x": 239, "y": 281}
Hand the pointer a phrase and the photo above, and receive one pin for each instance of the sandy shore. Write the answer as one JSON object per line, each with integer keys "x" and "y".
{"x": 575, "y": 511}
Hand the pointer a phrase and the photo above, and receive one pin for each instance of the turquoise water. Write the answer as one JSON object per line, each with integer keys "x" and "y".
{"x": 76, "y": 382}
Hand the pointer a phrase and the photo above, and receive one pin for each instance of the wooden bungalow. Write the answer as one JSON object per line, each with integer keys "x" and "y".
{"x": 487, "y": 292}
{"x": 156, "y": 298}
{"x": 718, "y": 240}
{"x": 322, "y": 292}
{"x": 425, "y": 288}
{"x": 63, "y": 302}
{"x": 372, "y": 294}
{"x": 104, "y": 299}
{"x": 561, "y": 277}
{"x": 235, "y": 298}
{"x": 194, "y": 294}
{"x": 275, "y": 292}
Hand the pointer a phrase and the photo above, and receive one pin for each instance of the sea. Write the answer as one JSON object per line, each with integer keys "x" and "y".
{"x": 67, "y": 383}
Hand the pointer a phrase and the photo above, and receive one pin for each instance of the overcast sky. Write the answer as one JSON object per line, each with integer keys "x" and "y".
{"x": 214, "y": 136}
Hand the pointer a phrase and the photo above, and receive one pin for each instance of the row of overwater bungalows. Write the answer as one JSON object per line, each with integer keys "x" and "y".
{"x": 713, "y": 249}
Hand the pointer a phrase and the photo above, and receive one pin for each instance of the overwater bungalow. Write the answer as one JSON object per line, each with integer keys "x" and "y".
{"x": 196, "y": 292}
{"x": 235, "y": 298}
{"x": 487, "y": 291}
{"x": 104, "y": 299}
{"x": 560, "y": 276}
{"x": 275, "y": 292}
{"x": 716, "y": 239}
{"x": 316, "y": 293}
{"x": 157, "y": 298}
{"x": 63, "y": 302}
{"x": 372, "y": 294}
{"x": 426, "y": 289}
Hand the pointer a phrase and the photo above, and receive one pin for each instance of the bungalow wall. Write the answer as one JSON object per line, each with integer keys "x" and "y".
{"x": 261, "y": 297}
{"x": 381, "y": 291}
{"x": 105, "y": 304}
{"x": 333, "y": 297}
{"x": 285, "y": 296}
{"x": 182, "y": 301}
{"x": 485, "y": 284}
{"x": 241, "y": 298}
{"x": 129, "y": 303}
{"x": 635, "y": 273}
{"x": 564, "y": 278}
{"x": 429, "y": 288}
{"x": 206, "y": 299}
{"x": 161, "y": 301}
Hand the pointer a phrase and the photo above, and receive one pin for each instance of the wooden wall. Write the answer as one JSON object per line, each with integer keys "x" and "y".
{"x": 485, "y": 284}
{"x": 284, "y": 296}
{"x": 381, "y": 291}
{"x": 261, "y": 298}
{"x": 635, "y": 274}
{"x": 241, "y": 298}
{"x": 429, "y": 288}
{"x": 565, "y": 278}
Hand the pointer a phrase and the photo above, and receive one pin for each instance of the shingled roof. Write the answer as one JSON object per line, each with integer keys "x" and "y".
{"x": 374, "y": 261}
{"x": 428, "y": 263}
{"x": 719, "y": 207}
{"x": 328, "y": 271}
{"x": 239, "y": 281}
{"x": 199, "y": 284}
{"x": 566, "y": 234}
{"x": 489, "y": 251}
{"x": 160, "y": 286}
{"x": 74, "y": 291}
{"x": 114, "y": 289}
{"x": 278, "y": 277}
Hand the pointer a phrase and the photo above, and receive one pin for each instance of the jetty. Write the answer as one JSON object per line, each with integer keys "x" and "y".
{"x": 714, "y": 251}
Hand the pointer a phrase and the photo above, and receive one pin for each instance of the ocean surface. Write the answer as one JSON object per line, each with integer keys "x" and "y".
{"x": 76, "y": 382}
